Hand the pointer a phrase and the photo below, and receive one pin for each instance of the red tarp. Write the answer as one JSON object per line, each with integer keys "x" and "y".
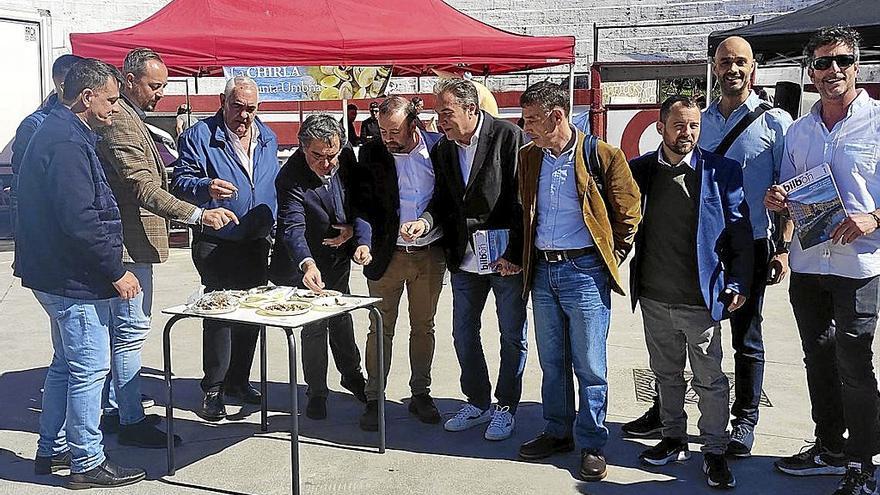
{"x": 199, "y": 37}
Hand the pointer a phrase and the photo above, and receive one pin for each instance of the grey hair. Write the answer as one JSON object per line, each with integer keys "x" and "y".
{"x": 394, "y": 104}
{"x": 137, "y": 59}
{"x": 321, "y": 127}
{"x": 231, "y": 83}
{"x": 464, "y": 91}
{"x": 88, "y": 73}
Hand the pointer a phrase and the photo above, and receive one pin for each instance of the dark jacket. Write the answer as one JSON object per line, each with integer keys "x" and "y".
{"x": 378, "y": 201}
{"x": 489, "y": 201}
{"x": 725, "y": 248}
{"x": 305, "y": 219}
{"x": 370, "y": 131}
{"x": 612, "y": 224}
{"x": 69, "y": 232}
{"x": 205, "y": 154}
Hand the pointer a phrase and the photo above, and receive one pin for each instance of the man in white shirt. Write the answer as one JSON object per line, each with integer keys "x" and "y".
{"x": 835, "y": 290}
{"x": 476, "y": 189}
{"x": 397, "y": 182}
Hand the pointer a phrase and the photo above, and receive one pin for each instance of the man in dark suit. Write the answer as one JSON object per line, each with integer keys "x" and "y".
{"x": 692, "y": 267}
{"x": 316, "y": 236}
{"x": 476, "y": 189}
{"x": 397, "y": 183}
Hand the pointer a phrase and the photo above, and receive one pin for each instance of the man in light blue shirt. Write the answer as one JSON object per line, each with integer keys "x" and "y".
{"x": 835, "y": 288}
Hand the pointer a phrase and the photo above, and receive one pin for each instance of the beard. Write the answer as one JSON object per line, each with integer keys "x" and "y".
{"x": 682, "y": 147}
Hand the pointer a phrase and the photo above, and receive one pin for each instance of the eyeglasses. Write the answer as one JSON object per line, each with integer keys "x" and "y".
{"x": 824, "y": 63}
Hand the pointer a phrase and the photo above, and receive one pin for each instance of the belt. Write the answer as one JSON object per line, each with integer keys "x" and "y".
{"x": 411, "y": 249}
{"x": 564, "y": 254}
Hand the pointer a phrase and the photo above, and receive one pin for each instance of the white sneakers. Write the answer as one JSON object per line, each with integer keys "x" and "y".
{"x": 500, "y": 421}
{"x": 501, "y": 425}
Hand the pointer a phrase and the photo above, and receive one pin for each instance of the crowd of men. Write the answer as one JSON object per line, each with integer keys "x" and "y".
{"x": 703, "y": 214}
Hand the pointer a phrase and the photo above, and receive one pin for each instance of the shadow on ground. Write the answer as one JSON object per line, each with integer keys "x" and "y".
{"x": 22, "y": 403}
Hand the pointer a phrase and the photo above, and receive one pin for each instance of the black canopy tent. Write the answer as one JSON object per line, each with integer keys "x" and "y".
{"x": 781, "y": 39}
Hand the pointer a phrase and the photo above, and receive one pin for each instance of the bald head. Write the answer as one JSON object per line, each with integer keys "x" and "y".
{"x": 733, "y": 66}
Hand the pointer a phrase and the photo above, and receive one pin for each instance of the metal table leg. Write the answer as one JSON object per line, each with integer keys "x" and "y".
{"x": 380, "y": 356}
{"x": 264, "y": 401}
{"x": 294, "y": 411}
{"x": 169, "y": 396}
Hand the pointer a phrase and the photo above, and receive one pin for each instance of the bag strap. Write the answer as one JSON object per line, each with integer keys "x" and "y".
{"x": 594, "y": 168}
{"x": 741, "y": 126}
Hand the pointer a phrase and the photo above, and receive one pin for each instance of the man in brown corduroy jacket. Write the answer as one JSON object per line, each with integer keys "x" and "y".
{"x": 574, "y": 238}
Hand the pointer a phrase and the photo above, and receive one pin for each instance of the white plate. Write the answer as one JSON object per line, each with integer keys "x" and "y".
{"x": 265, "y": 311}
{"x": 218, "y": 311}
{"x": 308, "y": 295}
{"x": 320, "y": 304}
{"x": 255, "y": 300}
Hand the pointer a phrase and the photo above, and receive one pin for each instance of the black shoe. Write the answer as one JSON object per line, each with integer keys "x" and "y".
{"x": 212, "y": 407}
{"x": 856, "y": 481}
{"x": 48, "y": 465}
{"x": 422, "y": 405}
{"x": 545, "y": 446}
{"x": 648, "y": 426}
{"x": 593, "y": 466}
{"x": 110, "y": 422}
{"x": 247, "y": 394}
{"x": 105, "y": 476}
{"x": 718, "y": 473}
{"x": 355, "y": 384}
{"x": 370, "y": 418}
{"x": 317, "y": 408}
{"x": 668, "y": 450}
{"x": 145, "y": 436}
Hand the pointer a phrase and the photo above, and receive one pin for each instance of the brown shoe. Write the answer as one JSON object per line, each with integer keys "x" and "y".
{"x": 593, "y": 467}
{"x": 422, "y": 405}
{"x": 545, "y": 446}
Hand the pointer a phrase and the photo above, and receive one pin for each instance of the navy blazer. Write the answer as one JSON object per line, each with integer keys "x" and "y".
{"x": 725, "y": 248}
{"x": 306, "y": 216}
{"x": 378, "y": 201}
{"x": 487, "y": 199}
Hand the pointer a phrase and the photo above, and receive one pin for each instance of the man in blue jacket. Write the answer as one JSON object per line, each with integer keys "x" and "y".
{"x": 31, "y": 123}
{"x": 692, "y": 267}
{"x": 230, "y": 160}
{"x": 69, "y": 252}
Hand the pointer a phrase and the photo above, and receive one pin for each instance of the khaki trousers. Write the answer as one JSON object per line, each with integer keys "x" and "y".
{"x": 421, "y": 273}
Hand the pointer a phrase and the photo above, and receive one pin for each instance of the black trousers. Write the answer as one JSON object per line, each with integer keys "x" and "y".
{"x": 339, "y": 330}
{"x": 836, "y": 318}
{"x": 228, "y": 348}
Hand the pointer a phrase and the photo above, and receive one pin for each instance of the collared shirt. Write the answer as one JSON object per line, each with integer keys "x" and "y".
{"x": 415, "y": 181}
{"x": 851, "y": 148}
{"x": 559, "y": 214}
{"x": 759, "y": 149}
{"x": 245, "y": 157}
{"x": 466, "y": 154}
{"x": 138, "y": 110}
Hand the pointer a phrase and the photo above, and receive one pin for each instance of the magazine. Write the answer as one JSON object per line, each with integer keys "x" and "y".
{"x": 814, "y": 204}
{"x": 489, "y": 246}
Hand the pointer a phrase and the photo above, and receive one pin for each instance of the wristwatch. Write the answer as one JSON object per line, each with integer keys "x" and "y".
{"x": 876, "y": 219}
{"x": 782, "y": 247}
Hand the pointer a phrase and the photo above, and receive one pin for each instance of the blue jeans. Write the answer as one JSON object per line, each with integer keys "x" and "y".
{"x": 129, "y": 327}
{"x": 469, "y": 293}
{"x": 72, "y": 391}
{"x": 572, "y": 306}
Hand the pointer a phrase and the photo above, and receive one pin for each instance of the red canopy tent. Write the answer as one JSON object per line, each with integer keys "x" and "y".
{"x": 199, "y": 37}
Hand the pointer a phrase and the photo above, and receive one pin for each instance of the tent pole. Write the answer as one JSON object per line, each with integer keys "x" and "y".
{"x": 801, "y": 96}
{"x": 344, "y": 120}
{"x": 188, "y": 105}
{"x": 708, "y": 83}
{"x": 570, "y": 91}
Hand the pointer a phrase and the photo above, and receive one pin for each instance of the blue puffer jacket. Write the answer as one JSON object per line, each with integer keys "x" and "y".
{"x": 206, "y": 154}
{"x": 69, "y": 233}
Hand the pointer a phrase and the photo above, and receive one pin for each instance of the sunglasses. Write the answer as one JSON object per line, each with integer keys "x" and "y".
{"x": 824, "y": 63}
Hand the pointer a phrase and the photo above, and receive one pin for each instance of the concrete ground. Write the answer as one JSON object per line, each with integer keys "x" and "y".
{"x": 233, "y": 457}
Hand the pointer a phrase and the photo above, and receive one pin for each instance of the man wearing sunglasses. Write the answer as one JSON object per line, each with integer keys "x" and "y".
{"x": 835, "y": 289}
